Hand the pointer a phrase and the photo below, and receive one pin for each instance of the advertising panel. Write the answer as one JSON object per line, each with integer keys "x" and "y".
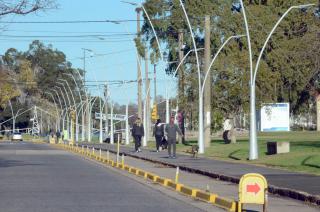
{"x": 275, "y": 117}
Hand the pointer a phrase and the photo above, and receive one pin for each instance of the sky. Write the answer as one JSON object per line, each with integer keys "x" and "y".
{"x": 113, "y": 55}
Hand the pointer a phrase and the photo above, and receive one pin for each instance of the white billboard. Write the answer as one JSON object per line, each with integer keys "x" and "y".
{"x": 116, "y": 117}
{"x": 275, "y": 117}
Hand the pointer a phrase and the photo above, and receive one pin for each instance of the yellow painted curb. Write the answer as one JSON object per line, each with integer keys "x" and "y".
{"x": 152, "y": 177}
{"x": 188, "y": 191}
{"x": 205, "y": 196}
{"x": 230, "y": 205}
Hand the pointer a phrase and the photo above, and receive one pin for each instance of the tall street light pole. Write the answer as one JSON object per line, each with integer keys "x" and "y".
{"x": 87, "y": 96}
{"x": 138, "y": 10}
{"x": 200, "y": 136}
{"x": 253, "y": 153}
{"x": 159, "y": 48}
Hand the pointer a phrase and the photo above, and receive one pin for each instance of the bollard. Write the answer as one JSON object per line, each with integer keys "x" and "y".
{"x": 100, "y": 153}
{"x": 177, "y": 175}
{"x": 108, "y": 155}
{"x": 265, "y": 205}
{"x": 118, "y": 149}
{"x": 82, "y": 149}
{"x": 122, "y": 160}
{"x": 208, "y": 188}
{"x": 87, "y": 150}
{"x": 92, "y": 150}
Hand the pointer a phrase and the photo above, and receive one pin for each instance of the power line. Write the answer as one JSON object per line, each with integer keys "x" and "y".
{"x": 67, "y": 36}
{"x": 69, "y": 41}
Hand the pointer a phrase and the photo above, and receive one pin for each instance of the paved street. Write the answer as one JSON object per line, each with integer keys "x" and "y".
{"x": 39, "y": 178}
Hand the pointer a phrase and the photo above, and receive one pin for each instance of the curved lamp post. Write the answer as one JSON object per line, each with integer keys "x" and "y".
{"x": 253, "y": 154}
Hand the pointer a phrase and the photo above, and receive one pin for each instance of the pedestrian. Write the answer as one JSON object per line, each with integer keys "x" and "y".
{"x": 58, "y": 134}
{"x": 137, "y": 134}
{"x": 227, "y": 126}
{"x": 158, "y": 133}
{"x": 171, "y": 131}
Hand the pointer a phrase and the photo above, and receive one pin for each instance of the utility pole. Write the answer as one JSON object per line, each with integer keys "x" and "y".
{"x": 207, "y": 88}
{"x": 106, "y": 109}
{"x": 138, "y": 10}
{"x": 155, "y": 82}
{"x": 181, "y": 71}
{"x": 147, "y": 95}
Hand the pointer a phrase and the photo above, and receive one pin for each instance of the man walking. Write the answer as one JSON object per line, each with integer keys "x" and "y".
{"x": 171, "y": 132}
{"x": 137, "y": 134}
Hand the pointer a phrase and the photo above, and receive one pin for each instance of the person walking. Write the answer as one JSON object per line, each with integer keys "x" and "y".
{"x": 171, "y": 131}
{"x": 137, "y": 134}
{"x": 158, "y": 133}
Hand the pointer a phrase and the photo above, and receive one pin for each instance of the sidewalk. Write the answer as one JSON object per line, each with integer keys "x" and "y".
{"x": 299, "y": 186}
{"x": 223, "y": 189}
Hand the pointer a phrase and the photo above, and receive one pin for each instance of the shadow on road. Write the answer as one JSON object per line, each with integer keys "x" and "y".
{"x": 13, "y": 163}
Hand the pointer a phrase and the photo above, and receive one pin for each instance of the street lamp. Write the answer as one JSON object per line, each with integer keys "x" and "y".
{"x": 253, "y": 154}
{"x": 82, "y": 112}
{"x": 201, "y": 128}
{"x": 160, "y": 51}
{"x": 54, "y": 101}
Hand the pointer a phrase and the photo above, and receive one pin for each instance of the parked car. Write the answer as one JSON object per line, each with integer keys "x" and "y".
{"x": 17, "y": 137}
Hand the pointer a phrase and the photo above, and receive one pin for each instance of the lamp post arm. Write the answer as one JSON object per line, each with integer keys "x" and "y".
{"x": 270, "y": 34}
{"x": 154, "y": 31}
{"x": 73, "y": 99}
{"x": 75, "y": 82}
{"x": 63, "y": 97}
{"x": 215, "y": 57}
{"x": 66, "y": 92}
{"x": 58, "y": 98}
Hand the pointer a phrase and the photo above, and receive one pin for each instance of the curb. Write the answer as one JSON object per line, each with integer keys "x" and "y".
{"x": 214, "y": 199}
{"x": 285, "y": 192}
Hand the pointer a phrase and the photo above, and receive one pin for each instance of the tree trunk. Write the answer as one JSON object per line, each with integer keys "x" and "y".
{"x": 232, "y": 132}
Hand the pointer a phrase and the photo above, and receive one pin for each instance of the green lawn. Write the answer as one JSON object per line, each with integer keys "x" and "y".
{"x": 304, "y": 153}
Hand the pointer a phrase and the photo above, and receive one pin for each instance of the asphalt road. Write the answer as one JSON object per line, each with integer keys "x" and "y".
{"x": 39, "y": 178}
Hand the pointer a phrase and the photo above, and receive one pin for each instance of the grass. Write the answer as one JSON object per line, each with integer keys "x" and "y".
{"x": 304, "y": 153}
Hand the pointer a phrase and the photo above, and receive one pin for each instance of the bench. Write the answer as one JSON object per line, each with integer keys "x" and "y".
{"x": 274, "y": 147}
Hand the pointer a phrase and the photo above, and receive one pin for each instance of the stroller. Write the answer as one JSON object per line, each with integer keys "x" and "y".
{"x": 164, "y": 143}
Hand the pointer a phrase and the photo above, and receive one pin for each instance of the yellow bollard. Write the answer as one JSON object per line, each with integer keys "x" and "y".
{"x": 177, "y": 175}
{"x": 118, "y": 149}
{"x": 122, "y": 160}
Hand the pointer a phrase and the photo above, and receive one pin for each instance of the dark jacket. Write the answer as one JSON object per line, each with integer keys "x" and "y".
{"x": 158, "y": 130}
{"x": 137, "y": 130}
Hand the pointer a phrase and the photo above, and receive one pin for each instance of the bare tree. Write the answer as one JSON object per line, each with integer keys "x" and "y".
{"x": 23, "y": 7}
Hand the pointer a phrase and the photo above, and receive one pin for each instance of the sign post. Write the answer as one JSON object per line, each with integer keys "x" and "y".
{"x": 253, "y": 189}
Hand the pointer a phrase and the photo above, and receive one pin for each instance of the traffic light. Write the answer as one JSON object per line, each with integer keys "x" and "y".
{"x": 154, "y": 114}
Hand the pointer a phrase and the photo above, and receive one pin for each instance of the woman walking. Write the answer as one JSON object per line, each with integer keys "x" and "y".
{"x": 158, "y": 133}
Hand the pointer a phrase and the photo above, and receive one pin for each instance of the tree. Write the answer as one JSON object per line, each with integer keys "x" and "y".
{"x": 7, "y": 88}
{"x": 23, "y": 7}
{"x": 289, "y": 70}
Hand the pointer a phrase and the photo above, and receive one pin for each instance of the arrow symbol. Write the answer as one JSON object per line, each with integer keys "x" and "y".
{"x": 253, "y": 188}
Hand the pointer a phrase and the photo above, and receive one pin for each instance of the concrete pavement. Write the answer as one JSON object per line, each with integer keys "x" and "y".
{"x": 300, "y": 186}
{"x": 223, "y": 189}
{"x": 40, "y": 178}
